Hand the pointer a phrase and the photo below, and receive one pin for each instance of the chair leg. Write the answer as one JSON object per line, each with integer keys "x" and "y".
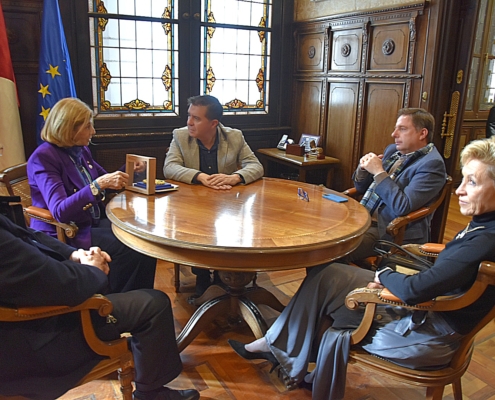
{"x": 457, "y": 389}
{"x": 125, "y": 378}
{"x": 177, "y": 277}
{"x": 434, "y": 392}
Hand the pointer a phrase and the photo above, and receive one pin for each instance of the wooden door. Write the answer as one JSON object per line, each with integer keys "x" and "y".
{"x": 450, "y": 55}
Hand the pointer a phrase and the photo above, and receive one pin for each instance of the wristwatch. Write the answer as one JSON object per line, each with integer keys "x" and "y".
{"x": 94, "y": 189}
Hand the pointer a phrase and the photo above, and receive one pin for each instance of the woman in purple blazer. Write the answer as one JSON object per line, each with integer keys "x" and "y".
{"x": 66, "y": 180}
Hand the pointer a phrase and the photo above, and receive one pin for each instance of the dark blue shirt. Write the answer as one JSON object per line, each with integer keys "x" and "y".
{"x": 208, "y": 160}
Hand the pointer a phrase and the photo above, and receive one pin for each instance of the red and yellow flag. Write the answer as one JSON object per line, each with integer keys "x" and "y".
{"x": 11, "y": 144}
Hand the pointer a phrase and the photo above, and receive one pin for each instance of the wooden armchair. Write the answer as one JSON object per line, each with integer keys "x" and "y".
{"x": 397, "y": 227}
{"x": 15, "y": 183}
{"x": 117, "y": 355}
{"x": 435, "y": 380}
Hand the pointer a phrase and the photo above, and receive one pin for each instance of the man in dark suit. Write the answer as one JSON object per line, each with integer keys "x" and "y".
{"x": 42, "y": 359}
{"x": 409, "y": 175}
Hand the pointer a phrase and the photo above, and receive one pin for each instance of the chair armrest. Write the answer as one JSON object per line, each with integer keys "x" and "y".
{"x": 96, "y": 302}
{"x": 41, "y": 214}
{"x": 396, "y": 224}
{"x": 352, "y": 192}
{"x": 373, "y": 297}
{"x": 425, "y": 249}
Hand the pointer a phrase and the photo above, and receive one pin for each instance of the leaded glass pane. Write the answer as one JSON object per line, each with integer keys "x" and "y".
{"x": 480, "y": 28}
{"x": 235, "y": 53}
{"x": 471, "y": 89}
{"x": 135, "y": 57}
{"x": 487, "y": 93}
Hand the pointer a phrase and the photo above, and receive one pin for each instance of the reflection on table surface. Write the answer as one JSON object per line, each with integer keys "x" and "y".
{"x": 263, "y": 218}
{"x": 263, "y": 226}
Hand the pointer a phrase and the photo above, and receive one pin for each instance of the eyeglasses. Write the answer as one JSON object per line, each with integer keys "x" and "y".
{"x": 302, "y": 194}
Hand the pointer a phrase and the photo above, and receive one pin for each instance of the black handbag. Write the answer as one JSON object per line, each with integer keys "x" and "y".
{"x": 393, "y": 254}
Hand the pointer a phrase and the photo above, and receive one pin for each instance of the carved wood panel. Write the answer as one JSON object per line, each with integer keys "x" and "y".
{"x": 340, "y": 127}
{"x": 376, "y": 65}
{"x": 382, "y": 101}
{"x": 346, "y": 50}
{"x": 389, "y": 47}
{"x": 310, "y": 52}
{"x": 308, "y": 97}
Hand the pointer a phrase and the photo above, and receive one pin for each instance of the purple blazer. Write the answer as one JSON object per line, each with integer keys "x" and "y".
{"x": 57, "y": 186}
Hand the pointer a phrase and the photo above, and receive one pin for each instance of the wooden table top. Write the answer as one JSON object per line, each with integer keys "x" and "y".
{"x": 257, "y": 227}
{"x": 297, "y": 160}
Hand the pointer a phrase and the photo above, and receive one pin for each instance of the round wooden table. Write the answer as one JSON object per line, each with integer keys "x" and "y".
{"x": 263, "y": 226}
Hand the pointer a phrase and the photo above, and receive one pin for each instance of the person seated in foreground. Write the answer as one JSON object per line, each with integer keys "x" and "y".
{"x": 409, "y": 175}
{"x": 42, "y": 359}
{"x": 65, "y": 179}
{"x": 416, "y": 340}
{"x": 208, "y": 153}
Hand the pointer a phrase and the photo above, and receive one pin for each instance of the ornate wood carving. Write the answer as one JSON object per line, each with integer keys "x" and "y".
{"x": 372, "y": 55}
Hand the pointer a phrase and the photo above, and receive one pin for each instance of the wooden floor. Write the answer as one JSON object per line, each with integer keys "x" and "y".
{"x": 217, "y": 372}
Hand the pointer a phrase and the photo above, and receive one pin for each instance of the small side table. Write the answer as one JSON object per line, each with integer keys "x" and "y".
{"x": 301, "y": 163}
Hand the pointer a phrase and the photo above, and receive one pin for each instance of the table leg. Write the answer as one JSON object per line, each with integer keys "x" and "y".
{"x": 203, "y": 316}
{"x": 259, "y": 295}
{"x": 238, "y": 301}
{"x": 251, "y": 314}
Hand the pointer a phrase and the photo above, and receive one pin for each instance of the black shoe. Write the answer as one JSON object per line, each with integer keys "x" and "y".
{"x": 240, "y": 348}
{"x": 166, "y": 393}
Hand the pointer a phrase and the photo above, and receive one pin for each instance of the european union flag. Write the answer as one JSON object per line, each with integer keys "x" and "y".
{"x": 55, "y": 72}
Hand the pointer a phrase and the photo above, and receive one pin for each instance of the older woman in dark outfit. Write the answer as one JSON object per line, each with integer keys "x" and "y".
{"x": 66, "y": 180}
{"x": 427, "y": 343}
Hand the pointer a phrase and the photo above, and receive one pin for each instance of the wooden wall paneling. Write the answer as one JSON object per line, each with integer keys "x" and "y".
{"x": 307, "y": 112}
{"x": 372, "y": 72}
{"x": 343, "y": 97}
{"x": 346, "y": 50}
{"x": 389, "y": 47}
{"x": 311, "y": 49}
{"x": 382, "y": 101}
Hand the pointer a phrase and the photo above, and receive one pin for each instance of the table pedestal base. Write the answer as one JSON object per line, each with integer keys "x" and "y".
{"x": 237, "y": 302}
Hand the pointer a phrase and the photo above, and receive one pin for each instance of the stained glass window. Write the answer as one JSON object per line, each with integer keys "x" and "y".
{"x": 135, "y": 55}
{"x": 134, "y": 50}
{"x": 235, "y": 53}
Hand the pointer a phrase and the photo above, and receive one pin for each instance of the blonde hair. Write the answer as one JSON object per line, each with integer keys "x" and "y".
{"x": 64, "y": 121}
{"x": 482, "y": 150}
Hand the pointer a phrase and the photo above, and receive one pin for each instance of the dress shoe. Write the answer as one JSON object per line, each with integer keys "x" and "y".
{"x": 166, "y": 393}
{"x": 240, "y": 348}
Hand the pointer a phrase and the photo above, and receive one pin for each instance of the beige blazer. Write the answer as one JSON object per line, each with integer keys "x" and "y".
{"x": 234, "y": 155}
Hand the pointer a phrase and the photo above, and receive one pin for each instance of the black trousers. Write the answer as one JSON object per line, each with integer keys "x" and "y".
{"x": 147, "y": 315}
{"x": 49, "y": 369}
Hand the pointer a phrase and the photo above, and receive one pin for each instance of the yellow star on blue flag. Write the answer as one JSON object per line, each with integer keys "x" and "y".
{"x": 55, "y": 73}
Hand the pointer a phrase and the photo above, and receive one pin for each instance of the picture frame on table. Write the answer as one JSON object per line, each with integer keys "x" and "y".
{"x": 150, "y": 165}
{"x": 306, "y": 139}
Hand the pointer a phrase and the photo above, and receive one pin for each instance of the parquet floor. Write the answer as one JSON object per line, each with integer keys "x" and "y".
{"x": 218, "y": 373}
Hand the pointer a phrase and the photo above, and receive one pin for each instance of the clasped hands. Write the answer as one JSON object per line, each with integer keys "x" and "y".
{"x": 219, "y": 181}
{"x": 94, "y": 256}
{"x": 372, "y": 163}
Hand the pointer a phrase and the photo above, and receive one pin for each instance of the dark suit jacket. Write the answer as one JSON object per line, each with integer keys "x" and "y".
{"x": 57, "y": 186}
{"x": 416, "y": 186}
{"x": 35, "y": 271}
